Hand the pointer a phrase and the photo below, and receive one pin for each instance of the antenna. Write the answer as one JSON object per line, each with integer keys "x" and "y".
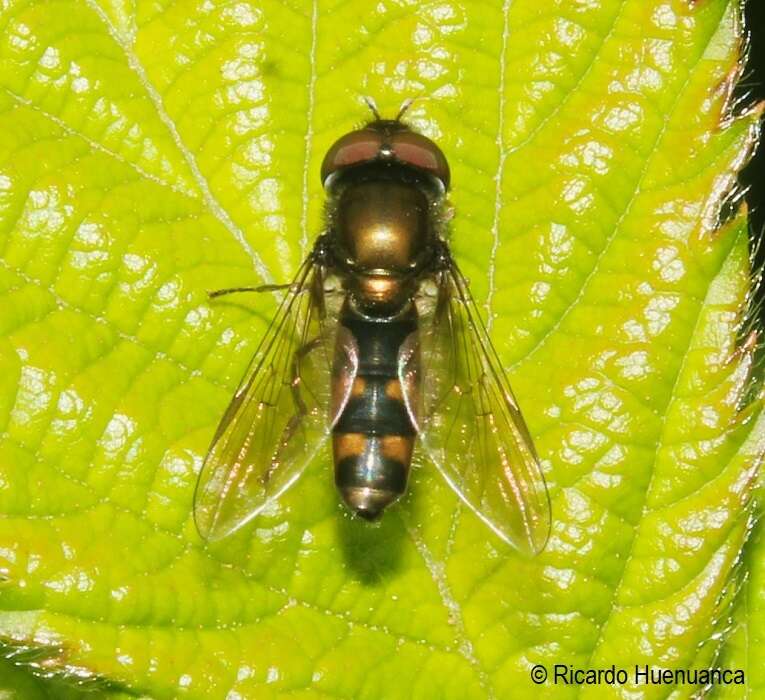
{"x": 405, "y": 105}
{"x": 373, "y": 107}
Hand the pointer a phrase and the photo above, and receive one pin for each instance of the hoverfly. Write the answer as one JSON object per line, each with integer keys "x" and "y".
{"x": 377, "y": 345}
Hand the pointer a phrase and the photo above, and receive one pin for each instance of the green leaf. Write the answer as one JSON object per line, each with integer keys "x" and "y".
{"x": 744, "y": 645}
{"x": 151, "y": 151}
{"x": 17, "y": 684}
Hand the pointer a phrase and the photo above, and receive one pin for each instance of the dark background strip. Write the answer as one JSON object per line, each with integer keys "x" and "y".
{"x": 752, "y": 90}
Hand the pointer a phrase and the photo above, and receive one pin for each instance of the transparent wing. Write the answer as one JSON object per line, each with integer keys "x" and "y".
{"x": 282, "y": 413}
{"x": 468, "y": 419}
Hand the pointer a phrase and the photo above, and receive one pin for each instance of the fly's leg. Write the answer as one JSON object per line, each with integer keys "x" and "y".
{"x": 301, "y": 409}
{"x": 320, "y": 255}
{"x": 236, "y": 290}
{"x": 295, "y": 383}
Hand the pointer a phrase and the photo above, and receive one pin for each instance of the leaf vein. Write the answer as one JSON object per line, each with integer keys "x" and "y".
{"x": 215, "y": 207}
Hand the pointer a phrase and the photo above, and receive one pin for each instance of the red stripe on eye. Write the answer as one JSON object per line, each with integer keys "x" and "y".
{"x": 355, "y": 147}
{"x": 364, "y": 145}
{"x": 421, "y": 152}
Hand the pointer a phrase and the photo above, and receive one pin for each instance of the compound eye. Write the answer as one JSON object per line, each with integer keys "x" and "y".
{"x": 355, "y": 147}
{"x": 419, "y": 151}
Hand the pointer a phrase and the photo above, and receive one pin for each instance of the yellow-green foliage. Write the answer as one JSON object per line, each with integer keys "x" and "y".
{"x": 153, "y": 150}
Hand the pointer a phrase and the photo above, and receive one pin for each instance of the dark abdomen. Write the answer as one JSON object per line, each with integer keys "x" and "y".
{"x": 374, "y": 437}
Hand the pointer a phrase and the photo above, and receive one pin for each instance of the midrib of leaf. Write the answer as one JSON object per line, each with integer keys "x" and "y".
{"x": 212, "y": 203}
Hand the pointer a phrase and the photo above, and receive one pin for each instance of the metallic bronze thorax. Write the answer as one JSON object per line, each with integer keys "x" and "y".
{"x": 383, "y": 234}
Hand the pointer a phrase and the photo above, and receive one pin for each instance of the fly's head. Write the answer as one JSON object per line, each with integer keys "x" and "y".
{"x": 386, "y": 141}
